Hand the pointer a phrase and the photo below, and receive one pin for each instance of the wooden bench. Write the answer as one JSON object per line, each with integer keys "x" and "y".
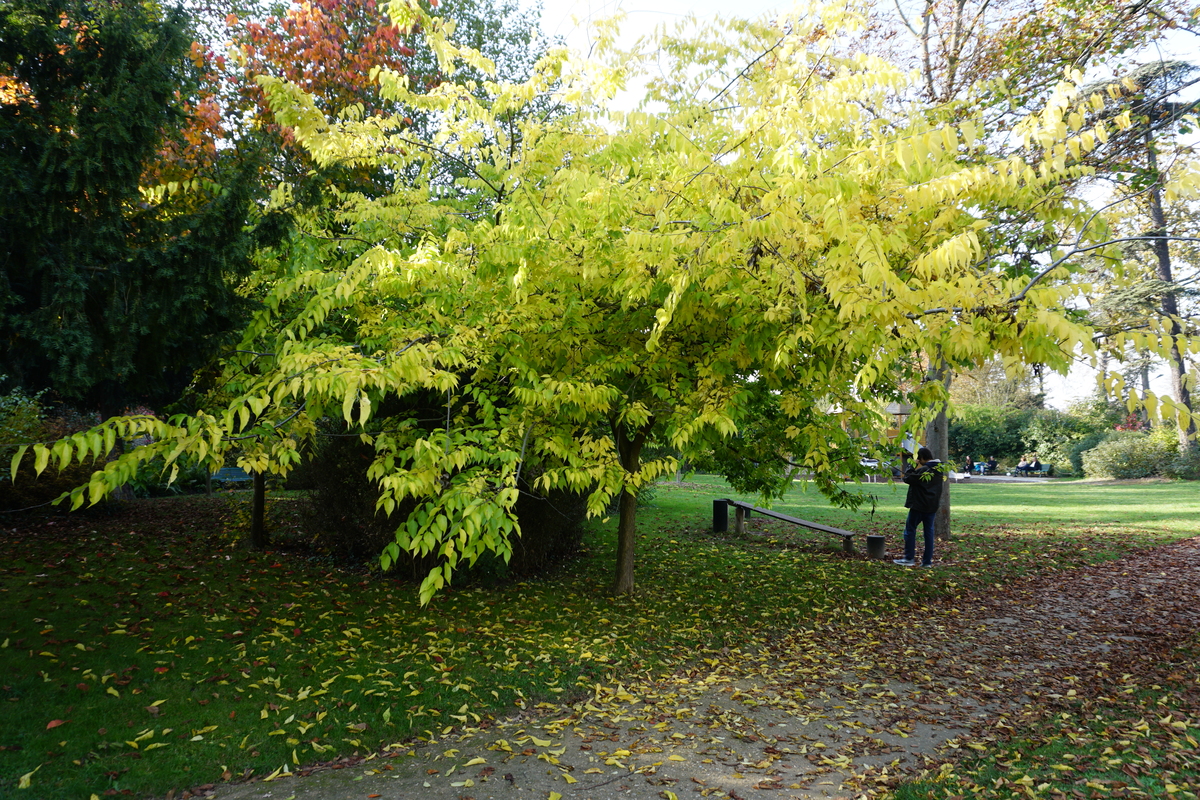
{"x": 743, "y": 510}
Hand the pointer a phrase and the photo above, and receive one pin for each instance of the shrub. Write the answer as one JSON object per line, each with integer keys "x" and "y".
{"x": 340, "y": 517}
{"x": 24, "y": 419}
{"x": 1052, "y": 434}
{"x": 1130, "y": 454}
{"x": 1081, "y": 446}
{"x": 1184, "y": 465}
{"x": 151, "y": 480}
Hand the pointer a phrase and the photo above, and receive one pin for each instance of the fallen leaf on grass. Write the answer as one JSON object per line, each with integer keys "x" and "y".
{"x": 27, "y": 779}
{"x": 54, "y": 723}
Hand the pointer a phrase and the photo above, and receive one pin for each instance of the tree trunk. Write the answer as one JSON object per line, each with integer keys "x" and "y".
{"x": 259, "y": 539}
{"x": 937, "y": 439}
{"x": 629, "y": 451}
{"x": 1176, "y": 365}
{"x": 1143, "y": 414}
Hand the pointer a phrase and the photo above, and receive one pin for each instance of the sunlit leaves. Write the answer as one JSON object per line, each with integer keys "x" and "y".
{"x": 779, "y": 223}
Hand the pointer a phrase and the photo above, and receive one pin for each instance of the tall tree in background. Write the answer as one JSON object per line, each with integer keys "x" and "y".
{"x": 334, "y": 50}
{"x": 1138, "y": 163}
{"x": 105, "y": 297}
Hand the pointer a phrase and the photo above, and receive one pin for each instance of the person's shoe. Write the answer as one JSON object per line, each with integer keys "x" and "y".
{"x": 904, "y": 562}
{"x": 927, "y": 565}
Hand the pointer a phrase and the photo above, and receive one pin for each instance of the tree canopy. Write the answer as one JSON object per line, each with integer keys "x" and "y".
{"x": 772, "y": 218}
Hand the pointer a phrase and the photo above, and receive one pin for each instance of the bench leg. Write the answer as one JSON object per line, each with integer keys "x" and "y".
{"x": 720, "y": 516}
{"x": 739, "y": 521}
{"x": 848, "y": 544}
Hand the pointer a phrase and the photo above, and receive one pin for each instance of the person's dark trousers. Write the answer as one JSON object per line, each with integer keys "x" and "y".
{"x": 910, "y": 535}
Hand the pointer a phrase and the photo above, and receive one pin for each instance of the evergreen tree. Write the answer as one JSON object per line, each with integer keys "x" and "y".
{"x": 107, "y": 294}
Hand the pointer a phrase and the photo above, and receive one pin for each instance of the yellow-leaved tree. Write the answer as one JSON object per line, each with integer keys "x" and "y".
{"x": 772, "y": 218}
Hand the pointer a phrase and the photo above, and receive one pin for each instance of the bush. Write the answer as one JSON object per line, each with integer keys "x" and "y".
{"x": 1081, "y": 446}
{"x": 1185, "y": 466}
{"x": 1130, "y": 454}
{"x": 24, "y": 419}
{"x": 1052, "y": 435}
{"x": 151, "y": 480}
{"x": 340, "y": 517}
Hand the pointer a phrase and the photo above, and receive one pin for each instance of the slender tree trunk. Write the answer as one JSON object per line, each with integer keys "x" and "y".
{"x": 1143, "y": 414}
{"x": 630, "y": 452}
{"x": 937, "y": 439}
{"x": 259, "y": 538}
{"x": 1170, "y": 308}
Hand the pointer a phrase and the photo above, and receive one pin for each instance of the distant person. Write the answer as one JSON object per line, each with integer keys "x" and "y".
{"x": 1022, "y": 465}
{"x": 924, "y": 496}
{"x": 969, "y": 467}
{"x": 990, "y": 465}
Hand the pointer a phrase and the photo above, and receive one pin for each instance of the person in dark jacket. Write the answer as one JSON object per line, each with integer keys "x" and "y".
{"x": 924, "y": 496}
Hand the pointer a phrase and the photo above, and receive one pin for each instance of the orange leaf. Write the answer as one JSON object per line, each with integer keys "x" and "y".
{"x": 54, "y": 723}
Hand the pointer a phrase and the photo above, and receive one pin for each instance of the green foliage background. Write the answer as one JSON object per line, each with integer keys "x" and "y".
{"x": 105, "y": 297}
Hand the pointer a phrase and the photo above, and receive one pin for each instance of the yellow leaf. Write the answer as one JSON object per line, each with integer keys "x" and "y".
{"x": 676, "y": 758}
{"x": 113, "y": 692}
{"x": 568, "y": 778}
{"x": 41, "y": 459}
{"x": 475, "y": 761}
{"x": 27, "y": 778}
{"x": 555, "y": 796}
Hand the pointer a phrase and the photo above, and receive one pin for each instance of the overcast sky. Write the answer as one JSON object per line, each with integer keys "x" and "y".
{"x": 558, "y": 16}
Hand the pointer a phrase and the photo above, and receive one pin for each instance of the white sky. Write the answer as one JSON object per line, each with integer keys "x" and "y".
{"x": 569, "y": 19}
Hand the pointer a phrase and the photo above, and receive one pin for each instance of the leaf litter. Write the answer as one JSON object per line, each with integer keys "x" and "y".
{"x": 991, "y": 695}
{"x": 852, "y": 706}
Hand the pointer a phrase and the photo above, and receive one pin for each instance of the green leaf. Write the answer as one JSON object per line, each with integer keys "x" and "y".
{"x": 16, "y": 459}
{"x": 41, "y": 458}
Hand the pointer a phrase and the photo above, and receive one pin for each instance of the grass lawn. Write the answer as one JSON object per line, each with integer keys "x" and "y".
{"x": 141, "y": 649}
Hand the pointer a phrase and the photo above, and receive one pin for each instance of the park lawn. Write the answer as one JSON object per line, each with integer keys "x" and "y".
{"x": 142, "y": 650}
